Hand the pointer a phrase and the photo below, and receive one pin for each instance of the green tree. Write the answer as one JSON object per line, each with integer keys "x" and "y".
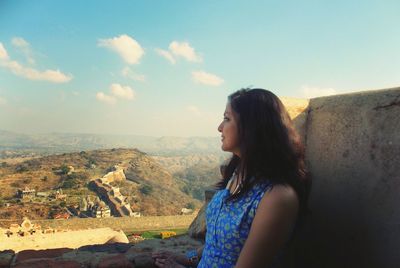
{"x": 146, "y": 189}
{"x": 190, "y": 205}
{"x": 64, "y": 169}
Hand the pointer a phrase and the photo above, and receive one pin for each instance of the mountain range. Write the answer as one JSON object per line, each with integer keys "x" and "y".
{"x": 52, "y": 143}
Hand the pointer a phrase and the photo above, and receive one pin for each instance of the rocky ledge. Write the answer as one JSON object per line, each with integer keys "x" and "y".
{"x": 99, "y": 256}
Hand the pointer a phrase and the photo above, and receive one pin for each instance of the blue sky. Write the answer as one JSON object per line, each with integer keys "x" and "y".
{"x": 165, "y": 68}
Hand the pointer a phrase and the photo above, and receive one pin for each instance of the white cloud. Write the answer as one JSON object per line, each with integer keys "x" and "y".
{"x": 55, "y": 76}
{"x": 183, "y": 49}
{"x": 117, "y": 91}
{"x": 25, "y": 47}
{"x": 127, "y": 47}
{"x": 3, "y": 53}
{"x": 105, "y": 98}
{"x": 19, "y": 42}
{"x": 128, "y": 73}
{"x": 194, "y": 110}
{"x": 123, "y": 92}
{"x": 313, "y": 92}
{"x": 166, "y": 54}
{"x": 206, "y": 78}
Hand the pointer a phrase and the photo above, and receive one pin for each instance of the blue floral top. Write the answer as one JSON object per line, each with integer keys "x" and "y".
{"x": 228, "y": 225}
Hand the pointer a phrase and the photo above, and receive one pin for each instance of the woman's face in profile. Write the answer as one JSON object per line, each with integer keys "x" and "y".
{"x": 229, "y": 131}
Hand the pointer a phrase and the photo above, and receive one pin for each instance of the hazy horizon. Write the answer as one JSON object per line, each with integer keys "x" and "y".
{"x": 106, "y": 134}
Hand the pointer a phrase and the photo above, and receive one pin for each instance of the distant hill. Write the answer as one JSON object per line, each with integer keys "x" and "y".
{"x": 52, "y": 143}
{"x": 197, "y": 172}
{"x": 150, "y": 188}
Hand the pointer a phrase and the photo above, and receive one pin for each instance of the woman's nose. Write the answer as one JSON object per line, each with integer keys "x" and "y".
{"x": 220, "y": 127}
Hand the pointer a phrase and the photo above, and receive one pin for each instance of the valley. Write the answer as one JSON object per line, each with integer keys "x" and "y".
{"x": 152, "y": 185}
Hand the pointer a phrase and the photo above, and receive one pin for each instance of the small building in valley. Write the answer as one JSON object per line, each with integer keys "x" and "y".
{"x": 99, "y": 210}
{"x": 26, "y": 193}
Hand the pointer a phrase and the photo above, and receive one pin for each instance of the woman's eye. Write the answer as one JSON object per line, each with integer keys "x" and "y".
{"x": 226, "y": 118}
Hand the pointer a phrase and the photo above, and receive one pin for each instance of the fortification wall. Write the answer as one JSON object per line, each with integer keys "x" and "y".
{"x": 103, "y": 191}
{"x": 120, "y": 223}
{"x": 353, "y": 153}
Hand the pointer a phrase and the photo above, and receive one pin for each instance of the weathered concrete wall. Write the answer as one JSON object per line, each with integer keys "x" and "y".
{"x": 353, "y": 153}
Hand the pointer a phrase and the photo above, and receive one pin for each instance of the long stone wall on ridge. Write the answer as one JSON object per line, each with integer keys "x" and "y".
{"x": 116, "y": 223}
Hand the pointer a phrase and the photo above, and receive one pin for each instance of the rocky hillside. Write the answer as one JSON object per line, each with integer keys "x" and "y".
{"x": 150, "y": 188}
{"x": 196, "y": 172}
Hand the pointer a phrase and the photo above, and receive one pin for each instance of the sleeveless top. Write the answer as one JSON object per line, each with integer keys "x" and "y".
{"x": 228, "y": 225}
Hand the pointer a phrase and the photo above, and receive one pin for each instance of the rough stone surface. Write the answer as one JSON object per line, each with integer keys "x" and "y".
{"x": 140, "y": 254}
{"x": 115, "y": 261}
{"x": 353, "y": 153}
{"x": 110, "y": 248}
{"x": 47, "y": 263}
{"x": 6, "y": 257}
{"x": 144, "y": 260}
{"x": 198, "y": 227}
{"x": 41, "y": 254}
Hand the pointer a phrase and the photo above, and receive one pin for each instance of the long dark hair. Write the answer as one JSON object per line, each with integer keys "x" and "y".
{"x": 270, "y": 148}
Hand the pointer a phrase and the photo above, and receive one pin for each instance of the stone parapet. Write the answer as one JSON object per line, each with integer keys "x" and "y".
{"x": 98, "y": 256}
{"x": 116, "y": 223}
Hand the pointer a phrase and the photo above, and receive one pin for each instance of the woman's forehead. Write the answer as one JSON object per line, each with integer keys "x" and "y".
{"x": 228, "y": 108}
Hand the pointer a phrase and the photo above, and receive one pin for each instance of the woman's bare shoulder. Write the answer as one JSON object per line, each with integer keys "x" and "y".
{"x": 280, "y": 197}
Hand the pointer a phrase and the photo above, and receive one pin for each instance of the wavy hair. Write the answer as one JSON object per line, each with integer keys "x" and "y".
{"x": 270, "y": 148}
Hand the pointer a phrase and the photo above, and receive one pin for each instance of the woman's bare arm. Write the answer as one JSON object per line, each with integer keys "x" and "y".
{"x": 272, "y": 225}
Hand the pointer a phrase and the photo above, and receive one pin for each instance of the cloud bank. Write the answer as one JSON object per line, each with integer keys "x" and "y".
{"x": 55, "y": 76}
{"x": 166, "y": 54}
{"x": 123, "y": 92}
{"x": 117, "y": 92}
{"x": 106, "y": 98}
{"x": 3, "y": 53}
{"x": 125, "y": 46}
{"x": 24, "y": 47}
{"x": 184, "y": 50}
{"x": 128, "y": 73}
{"x": 179, "y": 50}
{"x": 207, "y": 78}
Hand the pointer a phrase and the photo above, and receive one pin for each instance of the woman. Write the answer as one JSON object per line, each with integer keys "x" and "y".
{"x": 264, "y": 189}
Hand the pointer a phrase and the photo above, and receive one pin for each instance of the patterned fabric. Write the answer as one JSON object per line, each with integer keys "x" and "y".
{"x": 228, "y": 225}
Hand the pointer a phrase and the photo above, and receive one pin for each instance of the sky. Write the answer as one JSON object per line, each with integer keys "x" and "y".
{"x": 165, "y": 68}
